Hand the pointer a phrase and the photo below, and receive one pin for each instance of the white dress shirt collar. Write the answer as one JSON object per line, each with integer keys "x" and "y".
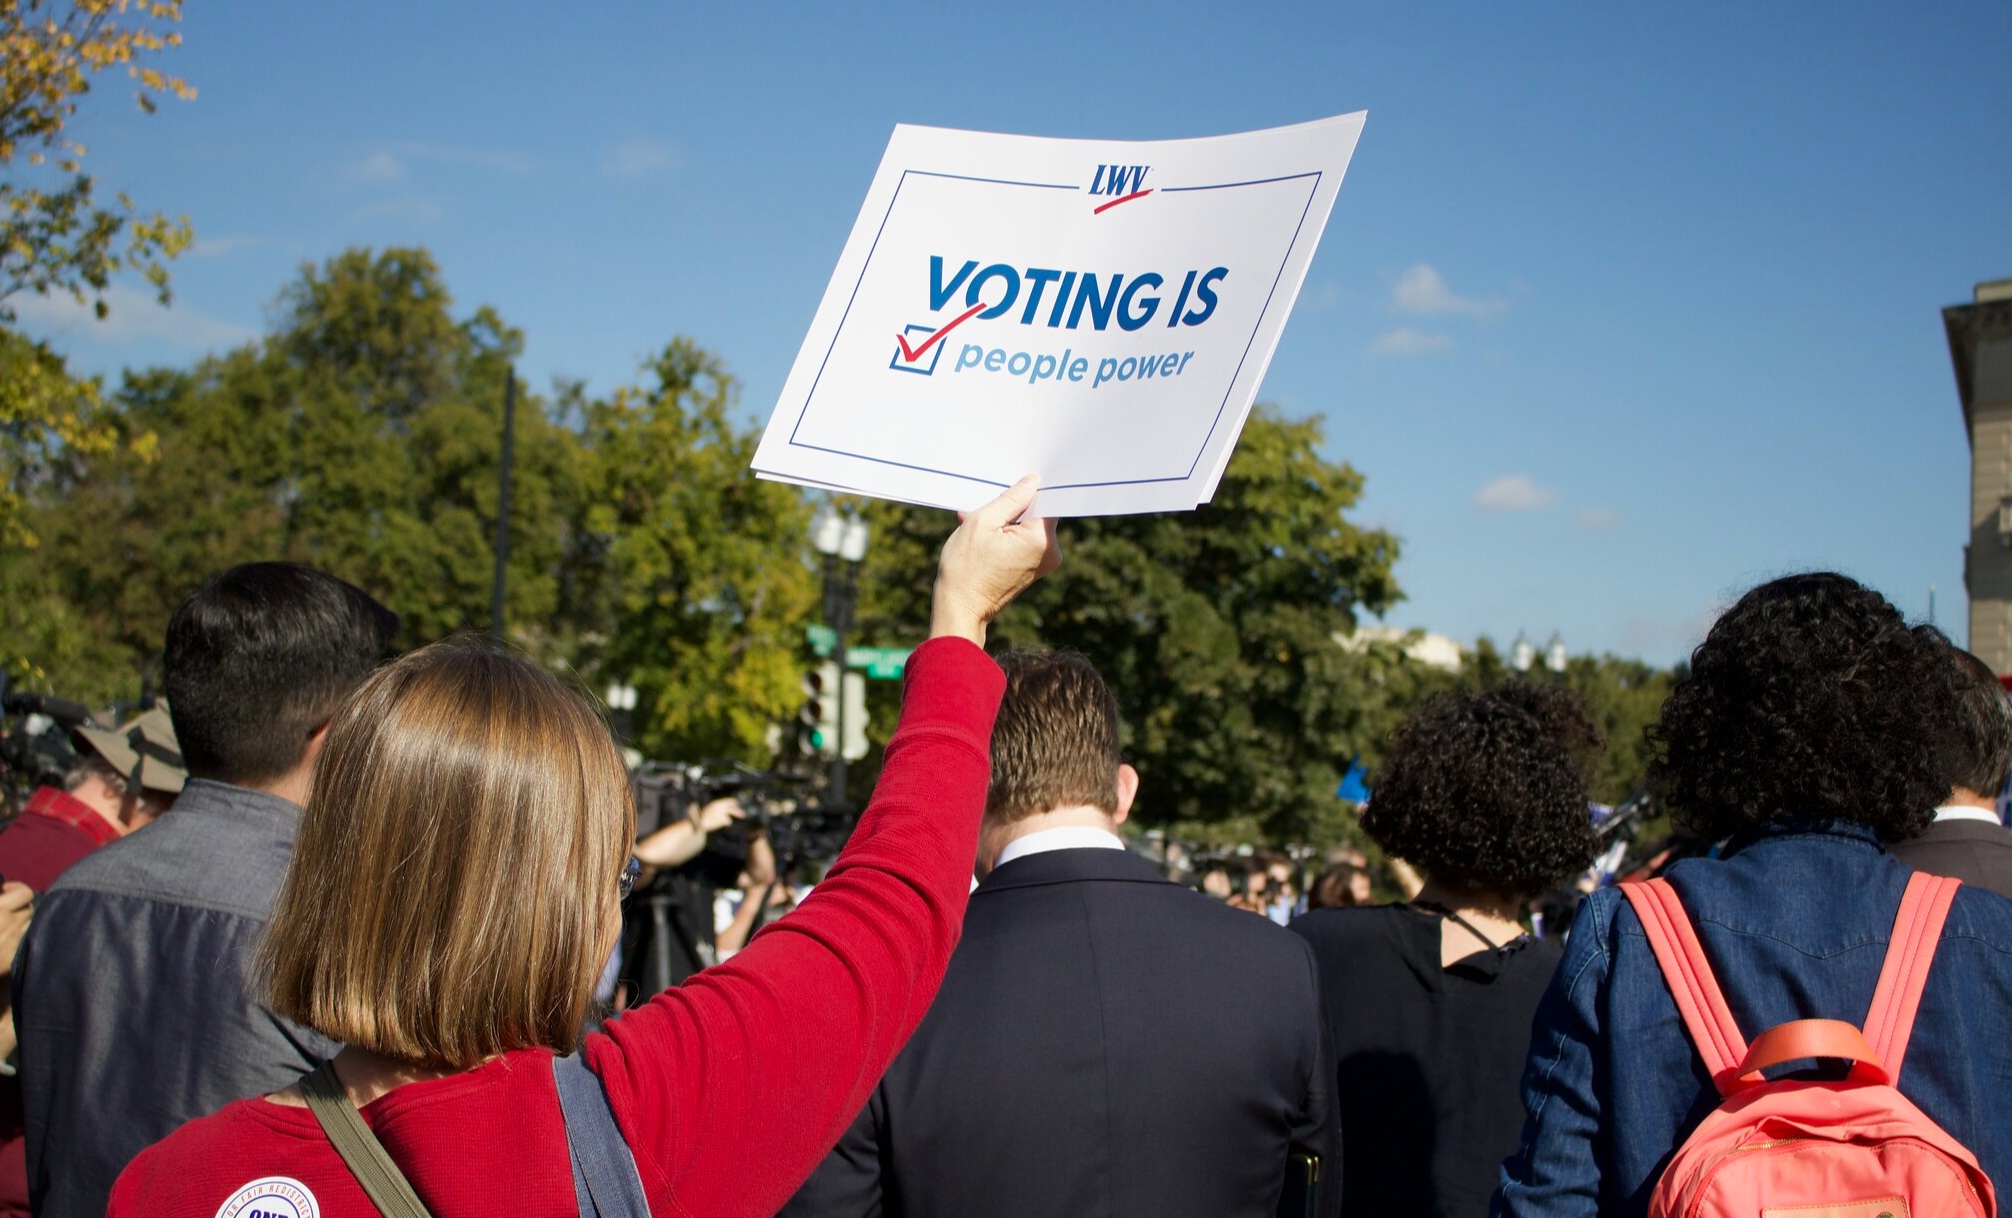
{"x": 1068, "y": 837}
{"x": 1966, "y": 812}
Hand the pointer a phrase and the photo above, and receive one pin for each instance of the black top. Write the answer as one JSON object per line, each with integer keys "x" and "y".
{"x": 1969, "y": 850}
{"x": 1429, "y": 1059}
{"x": 1105, "y": 1045}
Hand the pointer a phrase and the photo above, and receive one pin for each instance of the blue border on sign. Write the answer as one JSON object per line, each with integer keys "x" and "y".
{"x": 1222, "y": 406}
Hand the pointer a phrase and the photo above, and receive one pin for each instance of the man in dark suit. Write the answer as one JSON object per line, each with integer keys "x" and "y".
{"x": 1105, "y": 1043}
{"x": 1967, "y": 840}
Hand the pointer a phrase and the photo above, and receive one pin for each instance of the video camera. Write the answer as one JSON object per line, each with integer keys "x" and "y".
{"x": 668, "y": 924}
{"x": 35, "y": 746}
{"x": 784, "y": 806}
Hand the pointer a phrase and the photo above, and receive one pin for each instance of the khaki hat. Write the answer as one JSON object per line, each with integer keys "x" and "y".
{"x": 142, "y": 748}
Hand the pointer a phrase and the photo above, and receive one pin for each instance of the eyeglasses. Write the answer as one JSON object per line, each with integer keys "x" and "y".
{"x": 630, "y": 872}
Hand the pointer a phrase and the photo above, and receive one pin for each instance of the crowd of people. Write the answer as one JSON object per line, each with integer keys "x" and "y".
{"x": 338, "y": 940}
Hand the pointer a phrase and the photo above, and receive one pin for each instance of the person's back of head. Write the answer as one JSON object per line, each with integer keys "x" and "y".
{"x": 257, "y": 661}
{"x": 1977, "y": 735}
{"x": 1055, "y": 751}
{"x": 454, "y": 890}
{"x": 127, "y": 774}
{"x": 1486, "y": 792}
{"x": 1810, "y": 700}
{"x": 1341, "y": 886}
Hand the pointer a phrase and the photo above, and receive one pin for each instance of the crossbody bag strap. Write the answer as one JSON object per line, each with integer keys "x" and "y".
{"x": 382, "y": 1182}
{"x": 1689, "y": 975}
{"x": 1917, "y": 928}
{"x": 605, "y": 1181}
{"x": 1450, "y": 915}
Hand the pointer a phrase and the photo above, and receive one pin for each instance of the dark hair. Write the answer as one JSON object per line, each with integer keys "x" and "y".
{"x": 1809, "y": 699}
{"x": 1055, "y": 743}
{"x": 260, "y": 657}
{"x": 1487, "y": 790}
{"x": 1979, "y": 734}
{"x": 1335, "y": 889}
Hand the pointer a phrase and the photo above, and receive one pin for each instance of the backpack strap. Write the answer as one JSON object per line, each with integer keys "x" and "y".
{"x": 1800, "y": 1039}
{"x": 605, "y": 1181}
{"x": 1916, "y": 931}
{"x": 382, "y": 1182}
{"x": 1689, "y": 976}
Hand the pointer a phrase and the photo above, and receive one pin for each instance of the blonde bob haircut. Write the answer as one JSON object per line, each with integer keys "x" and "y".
{"x": 454, "y": 880}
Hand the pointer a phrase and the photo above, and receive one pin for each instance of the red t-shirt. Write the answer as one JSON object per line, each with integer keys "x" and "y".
{"x": 728, "y": 1088}
{"x": 52, "y": 832}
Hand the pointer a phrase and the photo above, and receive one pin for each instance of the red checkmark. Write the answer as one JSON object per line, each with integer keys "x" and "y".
{"x": 927, "y": 343}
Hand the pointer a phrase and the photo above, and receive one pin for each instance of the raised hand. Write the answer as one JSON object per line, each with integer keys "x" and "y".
{"x": 995, "y": 554}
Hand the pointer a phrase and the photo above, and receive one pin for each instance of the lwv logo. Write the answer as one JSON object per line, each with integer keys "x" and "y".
{"x": 1122, "y": 182}
{"x": 1117, "y": 180}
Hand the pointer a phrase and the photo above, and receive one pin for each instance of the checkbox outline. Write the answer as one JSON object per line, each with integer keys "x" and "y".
{"x": 901, "y": 364}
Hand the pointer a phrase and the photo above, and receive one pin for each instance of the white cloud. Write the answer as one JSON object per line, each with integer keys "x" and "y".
{"x": 1514, "y": 493}
{"x": 133, "y": 316}
{"x": 639, "y": 158}
{"x": 1598, "y": 520}
{"x": 412, "y": 209}
{"x": 1406, "y": 341}
{"x": 1423, "y": 290}
{"x": 394, "y": 163}
{"x": 218, "y": 247}
{"x": 377, "y": 167}
{"x": 499, "y": 160}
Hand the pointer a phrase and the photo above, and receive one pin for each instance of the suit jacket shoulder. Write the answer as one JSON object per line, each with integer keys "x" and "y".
{"x": 1977, "y": 853}
{"x": 1104, "y": 1042}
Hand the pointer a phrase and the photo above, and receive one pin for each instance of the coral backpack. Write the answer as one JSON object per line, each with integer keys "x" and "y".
{"x": 1855, "y": 1148}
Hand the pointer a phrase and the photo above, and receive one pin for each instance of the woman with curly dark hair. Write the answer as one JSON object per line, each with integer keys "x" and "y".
{"x": 1808, "y": 730}
{"x": 1430, "y": 1001}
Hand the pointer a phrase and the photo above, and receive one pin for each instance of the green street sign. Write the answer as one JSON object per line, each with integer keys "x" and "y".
{"x": 881, "y": 663}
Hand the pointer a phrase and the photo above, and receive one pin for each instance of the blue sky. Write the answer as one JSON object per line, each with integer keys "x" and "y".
{"x": 1619, "y": 312}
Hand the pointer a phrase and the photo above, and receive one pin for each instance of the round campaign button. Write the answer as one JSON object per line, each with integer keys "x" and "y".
{"x": 272, "y": 1197}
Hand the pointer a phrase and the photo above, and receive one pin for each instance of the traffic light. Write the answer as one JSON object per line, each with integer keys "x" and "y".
{"x": 819, "y": 715}
{"x": 855, "y": 715}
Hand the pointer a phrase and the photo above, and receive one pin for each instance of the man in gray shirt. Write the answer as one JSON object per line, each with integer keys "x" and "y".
{"x": 136, "y": 992}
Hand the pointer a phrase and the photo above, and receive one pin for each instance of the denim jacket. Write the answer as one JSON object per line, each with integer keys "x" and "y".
{"x": 1795, "y": 923}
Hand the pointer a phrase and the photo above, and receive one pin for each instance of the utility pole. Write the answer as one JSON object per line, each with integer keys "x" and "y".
{"x": 503, "y": 503}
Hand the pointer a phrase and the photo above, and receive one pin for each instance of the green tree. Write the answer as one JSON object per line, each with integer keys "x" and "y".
{"x": 690, "y": 575}
{"x": 46, "y": 415}
{"x": 395, "y": 429}
{"x": 1217, "y": 629}
{"x": 56, "y": 237}
{"x": 362, "y": 436}
{"x": 54, "y": 234}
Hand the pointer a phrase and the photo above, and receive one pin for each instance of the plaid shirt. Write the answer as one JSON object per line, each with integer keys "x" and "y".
{"x": 67, "y": 808}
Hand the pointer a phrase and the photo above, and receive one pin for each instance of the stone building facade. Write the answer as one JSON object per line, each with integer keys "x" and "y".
{"x": 1980, "y": 346}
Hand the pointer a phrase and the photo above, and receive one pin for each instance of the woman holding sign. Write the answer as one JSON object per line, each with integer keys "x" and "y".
{"x": 456, "y": 888}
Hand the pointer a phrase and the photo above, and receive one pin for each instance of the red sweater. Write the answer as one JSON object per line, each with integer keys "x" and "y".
{"x": 729, "y": 1088}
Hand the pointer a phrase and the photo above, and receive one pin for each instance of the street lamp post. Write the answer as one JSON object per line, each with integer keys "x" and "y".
{"x": 622, "y": 701}
{"x": 842, "y": 541}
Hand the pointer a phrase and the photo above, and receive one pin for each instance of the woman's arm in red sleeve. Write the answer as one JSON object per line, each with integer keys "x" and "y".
{"x": 732, "y": 1086}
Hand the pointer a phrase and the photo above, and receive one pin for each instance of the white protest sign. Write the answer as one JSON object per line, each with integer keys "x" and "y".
{"x": 1099, "y": 313}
